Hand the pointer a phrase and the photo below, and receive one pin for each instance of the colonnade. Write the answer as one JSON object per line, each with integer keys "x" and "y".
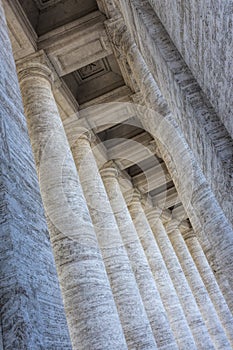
{"x": 129, "y": 279}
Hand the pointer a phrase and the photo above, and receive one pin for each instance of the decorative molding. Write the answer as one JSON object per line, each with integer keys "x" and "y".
{"x": 78, "y": 44}
{"x": 92, "y": 70}
{"x": 43, "y": 4}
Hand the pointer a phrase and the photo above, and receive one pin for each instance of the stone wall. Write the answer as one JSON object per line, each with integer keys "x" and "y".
{"x": 204, "y": 132}
{"x": 32, "y": 315}
{"x": 202, "y": 32}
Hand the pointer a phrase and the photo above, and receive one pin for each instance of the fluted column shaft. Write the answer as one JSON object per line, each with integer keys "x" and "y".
{"x": 197, "y": 286}
{"x": 133, "y": 317}
{"x": 200, "y": 205}
{"x": 210, "y": 282}
{"x": 189, "y": 305}
{"x": 166, "y": 289}
{"x": 88, "y": 300}
{"x": 146, "y": 284}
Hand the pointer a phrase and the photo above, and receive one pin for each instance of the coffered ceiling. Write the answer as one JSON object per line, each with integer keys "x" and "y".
{"x": 95, "y": 79}
{"x": 46, "y": 15}
{"x": 73, "y": 36}
{"x": 42, "y": 4}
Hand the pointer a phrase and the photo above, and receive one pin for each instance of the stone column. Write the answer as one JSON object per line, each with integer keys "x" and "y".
{"x": 210, "y": 282}
{"x": 166, "y": 289}
{"x": 192, "y": 187}
{"x": 31, "y": 309}
{"x": 125, "y": 291}
{"x": 197, "y": 286}
{"x": 146, "y": 284}
{"x": 187, "y": 300}
{"x": 89, "y": 305}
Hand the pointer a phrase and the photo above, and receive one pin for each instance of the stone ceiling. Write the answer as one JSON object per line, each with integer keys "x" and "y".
{"x": 46, "y": 15}
{"x": 73, "y": 36}
{"x": 42, "y": 4}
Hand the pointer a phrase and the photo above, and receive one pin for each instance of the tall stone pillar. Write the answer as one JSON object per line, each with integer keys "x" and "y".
{"x": 125, "y": 291}
{"x": 31, "y": 309}
{"x": 210, "y": 282}
{"x": 194, "y": 191}
{"x": 146, "y": 284}
{"x": 89, "y": 305}
{"x": 166, "y": 289}
{"x": 187, "y": 300}
{"x": 197, "y": 286}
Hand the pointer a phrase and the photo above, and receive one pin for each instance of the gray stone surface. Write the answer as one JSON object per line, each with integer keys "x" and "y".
{"x": 32, "y": 313}
{"x": 202, "y": 32}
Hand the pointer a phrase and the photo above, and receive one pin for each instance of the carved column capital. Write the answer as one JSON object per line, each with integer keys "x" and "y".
{"x": 171, "y": 226}
{"x": 134, "y": 200}
{"x": 153, "y": 213}
{"x": 35, "y": 66}
{"x": 188, "y": 234}
{"x": 110, "y": 170}
{"x": 75, "y": 131}
{"x": 34, "y": 70}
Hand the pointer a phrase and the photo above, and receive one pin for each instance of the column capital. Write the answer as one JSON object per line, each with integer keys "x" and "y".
{"x": 110, "y": 170}
{"x": 153, "y": 213}
{"x": 75, "y": 131}
{"x": 188, "y": 234}
{"x": 171, "y": 226}
{"x": 36, "y": 65}
{"x": 134, "y": 200}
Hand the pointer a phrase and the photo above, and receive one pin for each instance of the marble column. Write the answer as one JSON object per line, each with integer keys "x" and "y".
{"x": 166, "y": 289}
{"x": 90, "y": 309}
{"x": 187, "y": 300}
{"x": 32, "y": 315}
{"x": 210, "y": 282}
{"x": 125, "y": 291}
{"x": 145, "y": 281}
{"x": 197, "y": 286}
{"x": 194, "y": 191}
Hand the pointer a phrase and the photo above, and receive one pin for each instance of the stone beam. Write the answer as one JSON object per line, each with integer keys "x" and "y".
{"x": 101, "y": 117}
{"x": 22, "y": 35}
{"x": 121, "y": 94}
{"x": 179, "y": 212}
{"x": 166, "y": 199}
{"x": 152, "y": 178}
{"x": 130, "y": 151}
{"x": 76, "y": 44}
